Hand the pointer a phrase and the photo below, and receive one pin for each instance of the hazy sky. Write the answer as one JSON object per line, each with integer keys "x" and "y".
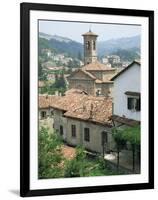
{"x": 74, "y": 30}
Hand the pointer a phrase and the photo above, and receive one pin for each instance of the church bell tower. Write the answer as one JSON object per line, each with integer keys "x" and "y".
{"x": 90, "y": 54}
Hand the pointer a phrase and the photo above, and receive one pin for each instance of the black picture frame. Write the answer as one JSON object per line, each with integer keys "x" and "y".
{"x": 25, "y": 9}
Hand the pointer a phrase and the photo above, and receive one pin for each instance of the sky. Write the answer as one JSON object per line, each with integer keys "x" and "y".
{"x": 74, "y": 30}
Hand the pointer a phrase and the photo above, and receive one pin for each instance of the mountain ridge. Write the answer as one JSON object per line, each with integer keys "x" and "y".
{"x": 74, "y": 48}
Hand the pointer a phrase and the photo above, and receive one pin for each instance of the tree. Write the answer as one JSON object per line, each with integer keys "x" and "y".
{"x": 130, "y": 135}
{"x": 76, "y": 167}
{"x": 49, "y": 154}
{"x": 120, "y": 143}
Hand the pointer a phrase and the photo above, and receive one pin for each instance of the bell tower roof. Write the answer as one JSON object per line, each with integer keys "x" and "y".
{"x": 90, "y": 33}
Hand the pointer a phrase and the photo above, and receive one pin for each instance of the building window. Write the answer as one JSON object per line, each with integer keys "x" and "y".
{"x": 88, "y": 45}
{"x": 94, "y": 45}
{"x": 52, "y": 113}
{"x": 61, "y": 130}
{"x": 133, "y": 103}
{"x": 43, "y": 114}
{"x": 73, "y": 131}
{"x": 104, "y": 138}
{"x": 86, "y": 135}
{"x": 98, "y": 92}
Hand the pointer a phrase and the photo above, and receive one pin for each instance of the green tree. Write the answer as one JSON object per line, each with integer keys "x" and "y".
{"x": 130, "y": 135}
{"x": 76, "y": 167}
{"x": 49, "y": 154}
{"x": 120, "y": 143}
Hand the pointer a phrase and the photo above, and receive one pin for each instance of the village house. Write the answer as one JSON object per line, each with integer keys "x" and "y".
{"x": 127, "y": 95}
{"x": 94, "y": 77}
{"x": 44, "y": 106}
{"x": 81, "y": 119}
{"x": 41, "y": 85}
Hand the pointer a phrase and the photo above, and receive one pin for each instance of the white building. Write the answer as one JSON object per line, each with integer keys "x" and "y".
{"x": 126, "y": 92}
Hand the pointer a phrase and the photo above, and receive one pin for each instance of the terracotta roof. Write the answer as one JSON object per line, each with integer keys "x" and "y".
{"x": 85, "y": 107}
{"x": 122, "y": 71}
{"x": 83, "y": 71}
{"x": 76, "y": 91}
{"x": 68, "y": 101}
{"x": 124, "y": 120}
{"x": 45, "y": 101}
{"x": 94, "y": 109}
{"x": 96, "y": 66}
{"x": 90, "y": 33}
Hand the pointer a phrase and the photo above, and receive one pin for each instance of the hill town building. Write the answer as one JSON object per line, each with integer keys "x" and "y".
{"x": 94, "y": 77}
{"x": 80, "y": 119}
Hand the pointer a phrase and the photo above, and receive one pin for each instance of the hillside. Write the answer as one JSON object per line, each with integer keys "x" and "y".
{"x": 127, "y": 48}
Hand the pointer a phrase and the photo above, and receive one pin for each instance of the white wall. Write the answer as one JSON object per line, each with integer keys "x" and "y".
{"x": 127, "y": 81}
{"x": 9, "y": 101}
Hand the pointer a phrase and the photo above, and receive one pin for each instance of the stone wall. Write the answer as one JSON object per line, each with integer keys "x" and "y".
{"x": 86, "y": 85}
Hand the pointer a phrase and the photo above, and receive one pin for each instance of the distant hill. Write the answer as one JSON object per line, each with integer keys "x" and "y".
{"x": 61, "y": 44}
{"x": 127, "y": 48}
{"x": 110, "y": 46}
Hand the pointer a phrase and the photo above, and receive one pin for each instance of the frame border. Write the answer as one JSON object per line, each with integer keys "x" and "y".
{"x": 25, "y": 9}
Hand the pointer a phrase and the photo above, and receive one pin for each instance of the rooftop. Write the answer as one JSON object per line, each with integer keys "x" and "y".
{"x": 97, "y": 66}
{"x": 125, "y": 69}
{"x": 81, "y": 106}
{"x": 124, "y": 120}
{"x": 89, "y": 33}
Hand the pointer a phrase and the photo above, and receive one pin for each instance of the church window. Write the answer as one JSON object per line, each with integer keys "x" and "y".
{"x": 88, "y": 45}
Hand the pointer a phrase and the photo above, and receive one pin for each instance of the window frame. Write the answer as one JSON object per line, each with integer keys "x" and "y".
{"x": 86, "y": 134}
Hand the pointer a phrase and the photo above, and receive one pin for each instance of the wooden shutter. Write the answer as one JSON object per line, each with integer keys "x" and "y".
{"x": 138, "y": 105}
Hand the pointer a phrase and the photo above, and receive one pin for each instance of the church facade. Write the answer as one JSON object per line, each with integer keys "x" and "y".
{"x": 94, "y": 78}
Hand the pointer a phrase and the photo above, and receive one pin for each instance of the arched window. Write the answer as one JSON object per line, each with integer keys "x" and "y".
{"x": 88, "y": 45}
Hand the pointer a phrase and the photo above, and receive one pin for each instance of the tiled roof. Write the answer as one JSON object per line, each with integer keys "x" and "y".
{"x": 76, "y": 91}
{"x": 83, "y": 71}
{"x": 85, "y": 107}
{"x": 80, "y": 106}
{"x": 124, "y": 120}
{"x": 96, "y": 66}
{"x": 94, "y": 109}
{"x": 45, "y": 101}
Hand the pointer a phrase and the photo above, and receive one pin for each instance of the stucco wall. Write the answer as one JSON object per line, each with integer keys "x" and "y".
{"x": 127, "y": 81}
{"x": 95, "y": 143}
